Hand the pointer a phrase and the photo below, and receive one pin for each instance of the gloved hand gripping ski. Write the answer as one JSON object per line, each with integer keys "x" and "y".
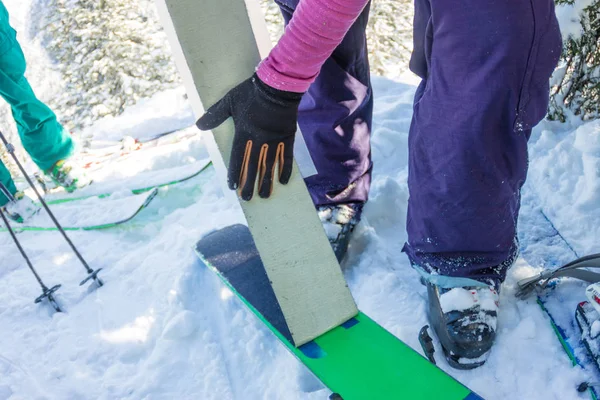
{"x": 265, "y": 122}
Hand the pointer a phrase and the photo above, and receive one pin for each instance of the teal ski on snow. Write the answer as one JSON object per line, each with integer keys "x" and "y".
{"x": 89, "y": 214}
{"x": 102, "y": 206}
{"x": 142, "y": 182}
{"x": 97, "y": 208}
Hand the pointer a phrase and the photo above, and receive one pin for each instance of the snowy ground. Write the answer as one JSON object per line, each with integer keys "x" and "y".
{"x": 164, "y": 328}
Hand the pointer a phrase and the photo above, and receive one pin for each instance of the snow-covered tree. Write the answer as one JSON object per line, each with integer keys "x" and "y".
{"x": 389, "y": 36}
{"x": 110, "y": 53}
{"x": 576, "y": 82}
{"x": 389, "y": 33}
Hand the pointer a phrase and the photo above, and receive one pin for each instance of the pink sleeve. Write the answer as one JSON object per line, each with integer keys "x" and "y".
{"x": 315, "y": 30}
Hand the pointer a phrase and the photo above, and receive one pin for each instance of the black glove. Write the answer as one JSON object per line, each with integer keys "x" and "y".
{"x": 265, "y": 125}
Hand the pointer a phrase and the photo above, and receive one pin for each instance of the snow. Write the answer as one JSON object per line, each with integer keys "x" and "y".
{"x": 90, "y": 212}
{"x": 566, "y": 167}
{"x": 462, "y": 299}
{"x": 165, "y": 111}
{"x": 595, "y": 329}
{"x": 134, "y": 174}
{"x": 163, "y": 327}
{"x": 334, "y": 218}
{"x": 569, "y": 17}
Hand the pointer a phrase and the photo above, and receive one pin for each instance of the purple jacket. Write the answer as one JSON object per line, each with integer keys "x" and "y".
{"x": 316, "y": 29}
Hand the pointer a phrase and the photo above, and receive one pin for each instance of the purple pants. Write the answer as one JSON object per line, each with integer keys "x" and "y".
{"x": 335, "y": 119}
{"x": 485, "y": 68}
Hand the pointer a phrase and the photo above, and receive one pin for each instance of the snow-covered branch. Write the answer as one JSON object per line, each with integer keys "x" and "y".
{"x": 576, "y": 82}
{"x": 111, "y": 53}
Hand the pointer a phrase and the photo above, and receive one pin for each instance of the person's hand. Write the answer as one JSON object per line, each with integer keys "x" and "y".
{"x": 265, "y": 125}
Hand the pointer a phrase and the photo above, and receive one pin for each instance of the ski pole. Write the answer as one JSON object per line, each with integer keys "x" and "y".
{"x": 91, "y": 273}
{"x": 46, "y": 293}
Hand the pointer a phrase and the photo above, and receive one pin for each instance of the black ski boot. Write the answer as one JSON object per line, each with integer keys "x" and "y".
{"x": 339, "y": 221}
{"x": 464, "y": 320}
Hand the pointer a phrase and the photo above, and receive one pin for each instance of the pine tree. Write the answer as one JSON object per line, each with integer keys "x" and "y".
{"x": 576, "y": 82}
{"x": 110, "y": 53}
{"x": 389, "y": 33}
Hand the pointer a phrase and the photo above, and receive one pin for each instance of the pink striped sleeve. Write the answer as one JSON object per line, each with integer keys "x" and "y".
{"x": 315, "y": 30}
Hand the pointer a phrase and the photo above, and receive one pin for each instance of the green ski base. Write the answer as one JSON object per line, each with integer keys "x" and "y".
{"x": 358, "y": 359}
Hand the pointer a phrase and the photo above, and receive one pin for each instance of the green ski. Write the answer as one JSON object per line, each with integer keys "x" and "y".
{"x": 90, "y": 215}
{"x": 144, "y": 183}
{"x": 357, "y": 360}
